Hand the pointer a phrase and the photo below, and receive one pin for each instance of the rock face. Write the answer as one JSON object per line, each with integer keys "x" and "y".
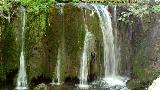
{"x": 9, "y": 48}
{"x": 46, "y": 34}
{"x": 66, "y": 31}
{"x": 143, "y": 50}
{"x": 41, "y": 86}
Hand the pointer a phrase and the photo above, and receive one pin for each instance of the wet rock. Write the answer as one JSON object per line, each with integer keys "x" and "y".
{"x": 41, "y": 86}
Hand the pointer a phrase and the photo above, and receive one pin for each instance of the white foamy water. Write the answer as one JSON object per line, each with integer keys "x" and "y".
{"x": 22, "y": 79}
{"x": 59, "y": 6}
{"x": 155, "y": 85}
{"x": 111, "y": 52}
{"x": 88, "y": 43}
{"x": 58, "y": 73}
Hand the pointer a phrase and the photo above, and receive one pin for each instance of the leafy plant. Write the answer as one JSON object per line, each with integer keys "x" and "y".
{"x": 139, "y": 9}
{"x": 37, "y": 6}
{"x": 5, "y": 6}
{"x": 155, "y": 9}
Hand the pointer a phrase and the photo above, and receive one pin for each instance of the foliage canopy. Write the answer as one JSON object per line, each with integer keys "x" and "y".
{"x": 39, "y": 6}
{"x": 139, "y": 9}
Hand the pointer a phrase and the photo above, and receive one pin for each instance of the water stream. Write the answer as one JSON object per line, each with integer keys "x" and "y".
{"x": 111, "y": 51}
{"x": 58, "y": 67}
{"x": 111, "y": 59}
{"x": 22, "y": 79}
{"x": 60, "y": 7}
{"x": 85, "y": 57}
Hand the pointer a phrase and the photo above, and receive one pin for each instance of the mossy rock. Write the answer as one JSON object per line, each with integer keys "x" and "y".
{"x": 41, "y": 86}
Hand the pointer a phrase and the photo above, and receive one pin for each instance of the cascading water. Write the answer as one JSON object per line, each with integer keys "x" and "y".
{"x": 111, "y": 59}
{"x": 58, "y": 66}
{"x": 117, "y": 45}
{"x": 22, "y": 79}
{"x": 85, "y": 58}
{"x": 110, "y": 62}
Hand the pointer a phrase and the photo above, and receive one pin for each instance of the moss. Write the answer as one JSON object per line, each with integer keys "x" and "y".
{"x": 74, "y": 37}
{"x": 9, "y": 50}
{"x": 53, "y": 37}
{"x": 1, "y": 60}
{"x": 68, "y": 32}
{"x": 41, "y": 87}
{"x": 93, "y": 24}
{"x": 34, "y": 45}
{"x": 149, "y": 20}
{"x": 9, "y": 47}
{"x": 142, "y": 71}
{"x": 44, "y": 34}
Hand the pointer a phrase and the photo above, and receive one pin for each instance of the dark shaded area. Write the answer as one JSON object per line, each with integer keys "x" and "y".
{"x": 9, "y": 80}
{"x": 40, "y": 79}
{"x": 71, "y": 80}
{"x": 92, "y": 77}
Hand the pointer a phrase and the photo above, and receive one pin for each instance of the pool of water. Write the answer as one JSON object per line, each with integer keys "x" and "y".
{"x": 72, "y": 87}
{"x": 91, "y": 87}
{"x": 109, "y": 83}
{"x": 104, "y": 84}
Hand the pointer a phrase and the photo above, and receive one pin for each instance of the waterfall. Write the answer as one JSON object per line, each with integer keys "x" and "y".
{"x": 117, "y": 46}
{"x": 22, "y": 79}
{"x": 110, "y": 62}
{"x": 60, "y": 6}
{"x": 85, "y": 58}
{"x": 58, "y": 68}
{"x": 111, "y": 52}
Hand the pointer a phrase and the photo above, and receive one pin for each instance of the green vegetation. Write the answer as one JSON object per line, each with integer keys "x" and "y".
{"x": 44, "y": 36}
{"x": 139, "y": 9}
{"x": 5, "y": 11}
{"x": 37, "y": 6}
{"x": 8, "y": 7}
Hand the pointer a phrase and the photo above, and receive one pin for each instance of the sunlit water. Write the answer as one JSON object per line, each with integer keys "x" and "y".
{"x": 88, "y": 41}
{"x": 111, "y": 80}
{"x": 58, "y": 82}
{"x": 22, "y": 79}
{"x": 111, "y": 52}
{"x": 59, "y": 6}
